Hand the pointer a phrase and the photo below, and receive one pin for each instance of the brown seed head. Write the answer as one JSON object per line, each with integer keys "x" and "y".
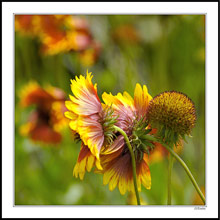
{"x": 173, "y": 111}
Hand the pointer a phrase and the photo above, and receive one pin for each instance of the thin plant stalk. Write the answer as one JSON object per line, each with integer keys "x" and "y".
{"x": 151, "y": 138}
{"x": 170, "y": 165}
{"x": 132, "y": 161}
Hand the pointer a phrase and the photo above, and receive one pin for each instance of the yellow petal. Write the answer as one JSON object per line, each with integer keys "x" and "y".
{"x": 129, "y": 98}
{"x": 125, "y": 99}
{"x": 90, "y": 162}
{"x": 98, "y": 165}
{"x": 107, "y": 176}
{"x": 138, "y": 95}
{"x": 73, "y": 125}
{"x": 76, "y": 170}
{"x": 82, "y": 165}
{"x": 70, "y": 105}
{"x": 146, "y": 180}
{"x": 81, "y": 175}
{"x": 113, "y": 182}
{"x": 71, "y": 115}
{"x": 122, "y": 185}
{"x": 109, "y": 99}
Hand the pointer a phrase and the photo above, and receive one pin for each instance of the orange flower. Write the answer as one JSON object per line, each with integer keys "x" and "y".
{"x": 46, "y": 121}
{"x": 62, "y": 34}
{"x": 52, "y": 33}
{"x": 32, "y": 93}
{"x": 24, "y": 24}
{"x": 57, "y": 33}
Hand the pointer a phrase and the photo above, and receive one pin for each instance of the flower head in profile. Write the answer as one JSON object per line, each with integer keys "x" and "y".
{"x": 173, "y": 114}
{"x": 91, "y": 120}
{"x": 47, "y": 119}
{"x": 116, "y": 158}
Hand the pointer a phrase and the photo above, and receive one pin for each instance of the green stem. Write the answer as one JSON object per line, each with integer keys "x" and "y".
{"x": 151, "y": 138}
{"x": 132, "y": 161}
{"x": 170, "y": 165}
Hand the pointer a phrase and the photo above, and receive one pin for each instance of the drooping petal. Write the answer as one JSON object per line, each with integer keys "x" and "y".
{"x": 144, "y": 172}
{"x": 86, "y": 161}
{"x": 118, "y": 172}
{"x": 118, "y": 143}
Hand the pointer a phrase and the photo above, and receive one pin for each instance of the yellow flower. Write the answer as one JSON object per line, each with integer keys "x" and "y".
{"x": 116, "y": 159}
{"x": 90, "y": 119}
{"x": 84, "y": 108}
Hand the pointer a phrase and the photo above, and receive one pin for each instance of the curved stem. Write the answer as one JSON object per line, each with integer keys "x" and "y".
{"x": 170, "y": 165}
{"x": 132, "y": 161}
{"x": 151, "y": 138}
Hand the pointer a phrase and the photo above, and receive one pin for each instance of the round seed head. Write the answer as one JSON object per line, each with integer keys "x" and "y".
{"x": 172, "y": 113}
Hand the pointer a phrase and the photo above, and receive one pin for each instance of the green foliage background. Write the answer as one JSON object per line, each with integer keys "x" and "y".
{"x": 169, "y": 56}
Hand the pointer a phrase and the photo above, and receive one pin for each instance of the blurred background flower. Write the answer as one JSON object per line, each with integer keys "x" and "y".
{"x": 56, "y": 33}
{"x": 165, "y": 52}
{"x": 47, "y": 119}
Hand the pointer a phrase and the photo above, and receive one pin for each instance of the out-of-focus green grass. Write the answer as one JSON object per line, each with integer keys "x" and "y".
{"x": 170, "y": 55}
